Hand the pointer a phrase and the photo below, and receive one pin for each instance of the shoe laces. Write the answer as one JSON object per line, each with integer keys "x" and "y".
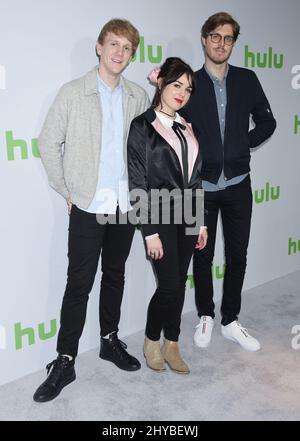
{"x": 119, "y": 346}
{"x": 243, "y": 330}
{"x": 57, "y": 366}
{"x": 203, "y": 322}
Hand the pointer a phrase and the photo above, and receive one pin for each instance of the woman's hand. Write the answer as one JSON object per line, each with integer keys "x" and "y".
{"x": 202, "y": 238}
{"x": 155, "y": 248}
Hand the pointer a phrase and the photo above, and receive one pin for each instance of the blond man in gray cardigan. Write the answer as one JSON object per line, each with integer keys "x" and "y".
{"x": 83, "y": 149}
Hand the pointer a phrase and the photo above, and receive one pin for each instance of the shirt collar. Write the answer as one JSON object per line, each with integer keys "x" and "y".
{"x": 167, "y": 122}
{"x": 214, "y": 78}
{"x": 102, "y": 86}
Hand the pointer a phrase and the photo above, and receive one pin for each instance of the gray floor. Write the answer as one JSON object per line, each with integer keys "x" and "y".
{"x": 226, "y": 382}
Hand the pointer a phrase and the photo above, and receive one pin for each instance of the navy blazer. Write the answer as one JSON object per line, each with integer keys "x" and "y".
{"x": 245, "y": 98}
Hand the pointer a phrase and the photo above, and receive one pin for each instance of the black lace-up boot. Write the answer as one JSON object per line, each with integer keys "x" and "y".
{"x": 114, "y": 350}
{"x": 62, "y": 373}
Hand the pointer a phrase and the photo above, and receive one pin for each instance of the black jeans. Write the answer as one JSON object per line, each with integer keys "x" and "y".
{"x": 165, "y": 307}
{"x": 86, "y": 240}
{"x": 235, "y": 205}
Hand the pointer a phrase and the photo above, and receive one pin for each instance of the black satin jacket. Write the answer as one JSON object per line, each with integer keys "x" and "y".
{"x": 153, "y": 163}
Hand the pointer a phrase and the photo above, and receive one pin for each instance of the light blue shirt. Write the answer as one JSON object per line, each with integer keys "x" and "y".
{"x": 112, "y": 187}
{"x": 221, "y": 100}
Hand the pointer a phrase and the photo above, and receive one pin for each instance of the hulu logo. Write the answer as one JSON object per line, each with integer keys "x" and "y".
{"x": 217, "y": 273}
{"x": 20, "y": 146}
{"x": 30, "y": 335}
{"x": 296, "y": 125}
{"x": 2, "y": 337}
{"x": 149, "y": 52}
{"x": 267, "y": 59}
{"x": 267, "y": 194}
{"x": 293, "y": 246}
{"x": 2, "y": 78}
{"x": 190, "y": 279}
{"x": 296, "y": 78}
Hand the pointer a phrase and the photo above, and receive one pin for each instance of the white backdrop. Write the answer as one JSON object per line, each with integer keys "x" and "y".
{"x": 44, "y": 44}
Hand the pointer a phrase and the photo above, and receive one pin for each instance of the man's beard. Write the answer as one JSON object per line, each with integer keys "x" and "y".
{"x": 218, "y": 60}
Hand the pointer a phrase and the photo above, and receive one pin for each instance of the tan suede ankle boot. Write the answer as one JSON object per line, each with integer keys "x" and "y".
{"x": 171, "y": 354}
{"x": 153, "y": 356}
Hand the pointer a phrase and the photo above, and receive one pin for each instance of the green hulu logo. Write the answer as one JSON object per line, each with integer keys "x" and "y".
{"x": 296, "y": 125}
{"x": 217, "y": 271}
{"x": 267, "y": 59}
{"x": 191, "y": 282}
{"x": 293, "y": 246}
{"x": 148, "y": 52}
{"x": 267, "y": 194}
{"x": 20, "y": 146}
{"x": 30, "y": 335}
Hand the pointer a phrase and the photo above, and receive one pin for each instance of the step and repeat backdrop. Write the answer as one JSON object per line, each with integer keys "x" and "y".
{"x": 44, "y": 44}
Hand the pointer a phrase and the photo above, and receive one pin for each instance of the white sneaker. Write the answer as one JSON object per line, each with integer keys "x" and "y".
{"x": 203, "y": 332}
{"x": 235, "y": 332}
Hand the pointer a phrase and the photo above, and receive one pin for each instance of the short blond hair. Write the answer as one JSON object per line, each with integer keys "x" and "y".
{"x": 121, "y": 27}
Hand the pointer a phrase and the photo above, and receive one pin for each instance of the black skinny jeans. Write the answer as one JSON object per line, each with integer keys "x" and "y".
{"x": 86, "y": 240}
{"x": 235, "y": 205}
{"x": 165, "y": 307}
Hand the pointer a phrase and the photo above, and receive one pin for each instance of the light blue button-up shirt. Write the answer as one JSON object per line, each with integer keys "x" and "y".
{"x": 221, "y": 100}
{"x": 112, "y": 187}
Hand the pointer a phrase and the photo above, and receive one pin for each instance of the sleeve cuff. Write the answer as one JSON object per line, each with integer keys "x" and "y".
{"x": 151, "y": 236}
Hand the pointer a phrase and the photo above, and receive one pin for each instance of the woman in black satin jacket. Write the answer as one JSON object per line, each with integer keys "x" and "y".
{"x": 163, "y": 156}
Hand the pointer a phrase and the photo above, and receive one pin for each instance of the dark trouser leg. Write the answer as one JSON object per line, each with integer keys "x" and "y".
{"x": 236, "y": 213}
{"x": 85, "y": 241}
{"x": 165, "y": 308}
{"x": 202, "y": 262}
{"x": 116, "y": 248}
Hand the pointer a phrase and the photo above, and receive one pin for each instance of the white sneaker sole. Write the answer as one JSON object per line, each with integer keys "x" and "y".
{"x": 244, "y": 347}
{"x": 201, "y": 345}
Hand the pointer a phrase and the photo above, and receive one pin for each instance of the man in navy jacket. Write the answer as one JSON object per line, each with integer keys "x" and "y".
{"x": 224, "y": 100}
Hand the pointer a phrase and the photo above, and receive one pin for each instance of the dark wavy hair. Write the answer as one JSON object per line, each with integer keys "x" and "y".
{"x": 220, "y": 19}
{"x": 172, "y": 69}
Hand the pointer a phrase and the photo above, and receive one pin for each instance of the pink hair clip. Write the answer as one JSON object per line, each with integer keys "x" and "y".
{"x": 152, "y": 76}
